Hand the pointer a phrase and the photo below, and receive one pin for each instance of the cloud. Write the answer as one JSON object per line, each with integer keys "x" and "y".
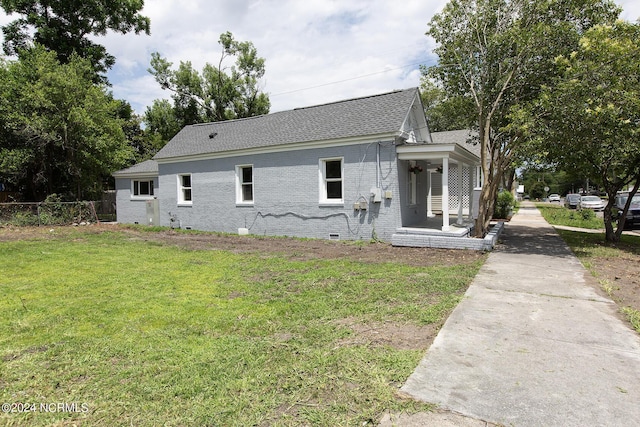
{"x": 630, "y": 10}
{"x": 316, "y": 51}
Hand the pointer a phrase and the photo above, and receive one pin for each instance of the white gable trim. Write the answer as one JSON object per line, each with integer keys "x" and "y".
{"x": 415, "y": 128}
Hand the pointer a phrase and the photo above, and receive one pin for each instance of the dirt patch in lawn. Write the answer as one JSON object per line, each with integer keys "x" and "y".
{"x": 307, "y": 249}
{"x": 620, "y": 278}
{"x": 400, "y": 336}
{"x": 298, "y": 249}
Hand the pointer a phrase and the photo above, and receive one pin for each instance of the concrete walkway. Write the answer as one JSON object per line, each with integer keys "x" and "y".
{"x": 531, "y": 344}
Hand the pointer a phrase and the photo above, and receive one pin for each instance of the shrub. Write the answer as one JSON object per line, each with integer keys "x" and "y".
{"x": 504, "y": 205}
{"x": 587, "y": 214}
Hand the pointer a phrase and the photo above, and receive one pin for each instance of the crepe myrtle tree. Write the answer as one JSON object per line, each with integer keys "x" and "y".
{"x": 499, "y": 53}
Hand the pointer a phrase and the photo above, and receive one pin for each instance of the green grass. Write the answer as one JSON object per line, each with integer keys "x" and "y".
{"x": 144, "y": 334}
{"x": 559, "y": 215}
{"x": 593, "y": 245}
{"x": 592, "y": 250}
{"x": 633, "y": 316}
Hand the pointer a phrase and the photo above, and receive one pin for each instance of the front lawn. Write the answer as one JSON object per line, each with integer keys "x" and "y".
{"x": 128, "y": 330}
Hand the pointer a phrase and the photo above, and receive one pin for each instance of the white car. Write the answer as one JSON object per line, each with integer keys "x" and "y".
{"x": 554, "y": 198}
{"x": 591, "y": 202}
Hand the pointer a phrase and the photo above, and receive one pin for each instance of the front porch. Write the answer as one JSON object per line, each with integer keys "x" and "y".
{"x": 442, "y": 177}
{"x": 458, "y": 236}
{"x": 433, "y": 226}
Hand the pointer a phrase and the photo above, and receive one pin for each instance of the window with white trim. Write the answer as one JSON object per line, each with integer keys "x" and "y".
{"x": 331, "y": 181}
{"x": 244, "y": 184}
{"x": 184, "y": 189}
{"x": 142, "y": 188}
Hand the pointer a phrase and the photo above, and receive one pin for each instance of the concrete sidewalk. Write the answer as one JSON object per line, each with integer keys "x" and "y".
{"x": 531, "y": 344}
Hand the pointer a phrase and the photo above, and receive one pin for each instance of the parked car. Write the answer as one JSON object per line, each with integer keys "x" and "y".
{"x": 571, "y": 201}
{"x": 633, "y": 214}
{"x": 591, "y": 202}
{"x": 554, "y": 197}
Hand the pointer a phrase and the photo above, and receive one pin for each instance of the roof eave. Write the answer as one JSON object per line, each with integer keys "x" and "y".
{"x": 436, "y": 151}
{"x": 135, "y": 174}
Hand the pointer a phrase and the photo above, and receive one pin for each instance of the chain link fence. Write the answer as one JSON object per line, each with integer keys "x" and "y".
{"x": 45, "y": 213}
{"x": 57, "y": 212}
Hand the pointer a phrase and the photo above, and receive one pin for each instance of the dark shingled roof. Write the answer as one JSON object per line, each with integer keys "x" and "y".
{"x": 465, "y": 138}
{"x": 371, "y": 115}
{"x": 147, "y": 167}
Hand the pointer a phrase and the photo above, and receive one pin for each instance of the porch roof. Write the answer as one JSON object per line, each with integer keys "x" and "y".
{"x": 457, "y": 145}
{"x": 148, "y": 168}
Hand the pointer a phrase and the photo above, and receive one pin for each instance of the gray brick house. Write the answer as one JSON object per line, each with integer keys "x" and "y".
{"x": 355, "y": 169}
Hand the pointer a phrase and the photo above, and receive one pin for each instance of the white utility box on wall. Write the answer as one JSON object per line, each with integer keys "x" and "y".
{"x": 376, "y": 194}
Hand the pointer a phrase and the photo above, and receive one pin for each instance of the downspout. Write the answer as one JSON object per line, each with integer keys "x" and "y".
{"x": 378, "y": 165}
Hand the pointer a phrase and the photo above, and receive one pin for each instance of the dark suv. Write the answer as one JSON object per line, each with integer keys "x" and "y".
{"x": 571, "y": 201}
{"x": 633, "y": 215}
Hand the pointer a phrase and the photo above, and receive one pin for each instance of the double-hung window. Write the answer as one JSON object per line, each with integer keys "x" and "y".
{"x": 331, "y": 181}
{"x": 244, "y": 184}
{"x": 184, "y": 189}
{"x": 142, "y": 188}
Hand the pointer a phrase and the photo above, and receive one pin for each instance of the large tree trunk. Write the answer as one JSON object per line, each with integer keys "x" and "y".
{"x": 485, "y": 203}
{"x": 484, "y": 216}
{"x": 610, "y": 234}
{"x": 618, "y": 232}
{"x": 486, "y": 206}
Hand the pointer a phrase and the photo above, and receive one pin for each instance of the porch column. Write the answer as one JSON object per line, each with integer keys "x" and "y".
{"x": 445, "y": 194}
{"x": 459, "y": 221}
{"x": 430, "y": 213}
{"x": 472, "y": 173}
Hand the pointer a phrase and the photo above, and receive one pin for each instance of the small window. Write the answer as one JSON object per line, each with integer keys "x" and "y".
{"x": 244, "y": 184}
{"x": 142, "y": 188}
{"x": 184, "y": 189}
{"x": 331, "y": 181}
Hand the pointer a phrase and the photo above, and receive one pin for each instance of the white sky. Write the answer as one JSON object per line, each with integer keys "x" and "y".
{"x": 316, "y": 51}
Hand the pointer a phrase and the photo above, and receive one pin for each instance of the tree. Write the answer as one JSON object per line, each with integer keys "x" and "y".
{"x": 588, "y": 120}
{"x": 143, "y": 142}
{"x": 162, "y": 124}
{"x": 218, "y": 93}
{"x": 536, "y": 177}
{"x": 59, "y": 131}
{"x": 161, "y": 121}
{"x": 444, "y": 112}
{"x": 64, "y": 27}
{"x": 499, "y": 53}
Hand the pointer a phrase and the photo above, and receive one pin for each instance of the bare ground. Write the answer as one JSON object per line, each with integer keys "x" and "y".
{"x": 620, "y": 277}
{"x": 301, "y": 249}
